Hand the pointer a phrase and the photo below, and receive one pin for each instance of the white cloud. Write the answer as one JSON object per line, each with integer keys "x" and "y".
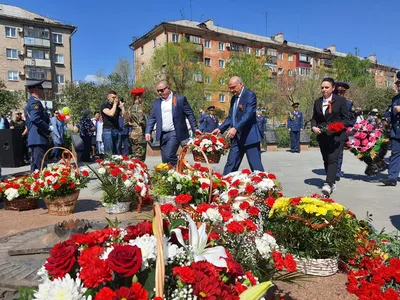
{"x": 91, "y": 78}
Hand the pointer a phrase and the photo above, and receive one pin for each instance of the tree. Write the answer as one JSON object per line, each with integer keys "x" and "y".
{"x": 353, "y": 70}
{"x": 180, "y": 64}
{"x": 121, "y": 79}
{"x": 10, "y": 100}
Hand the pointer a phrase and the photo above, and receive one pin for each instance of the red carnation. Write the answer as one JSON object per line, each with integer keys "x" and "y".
{"x": 250, "y": 225}
{"x": 62, "y": 259}
{"x": 47, "y": 173}
{"x": 185, "y": 274}
{"x": 138, "y": 292}
{"x": 168, "y": 208}
{"x": 250, "y": 189}
{"x": 82, "y": 239}
{"x": 336, "y": 127}
{"x": 295, "y": 201}
{"x": 115, "y": 172}
{"x": 256, "y": 179}
{"x": 290, "y": 263}
{"x": 278, "y": 260}
{"x": 125, "y": 260}
{"x": 253, "y": 211}
{"x": 95, "y": 272}
{"x": 72, "y": 185}
{"x": 235, "y": 227}
{"x": 138, "y": 230}
{"x": 105, "y": 294}
{"x": 271, "y": 176}
{"x": 88, "y": 254}
{"x": 250, "y": 276}
{"x": 203, "y": 207}
{"x": 204, "y": 185}
{"x": 213, "y": 236}
{"x": 240, "y": 288}
{"x": 56, "y": 186}
{"x": 124, "y": 177}
{"x": 138, "y": 189}
{"x": 233, "y": 193}
{"x": 244, "y": 205}
{"x": 236, "y": 182}
{"x": 183, "y": 199}
{"x": 270, "y": 201}
{"x": 63, "y": 180}
{"x": 85, "y": 173}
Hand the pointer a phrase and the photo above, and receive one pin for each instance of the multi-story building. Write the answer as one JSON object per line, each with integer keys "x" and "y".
{"x": 217, "y": 44}
{"x": 34, "y": 48}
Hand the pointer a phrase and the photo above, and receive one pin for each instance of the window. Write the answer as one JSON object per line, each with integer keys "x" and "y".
{"x": 60, "y": 79}
{"x": 11, "y": 32}
{"x": 222, "y": 81}
{"x": 175, "y": 37}
{"x": 290, "y": 72}
{"x": 38, "y": 32}
{"x": 59, "y": 58}
{"x": 280, "y": 56}
{"x": 198, "y": 77}
{"x": 221, "y": 46}
{"x": 208, "y": 80}
{"x": 38, "y": 53}
{"x": 381, "y": 73}
{"x": 221, "y": 63}
{"x": 221, "y": 97}
{"x": 271, "y": 52}
{"x": 257, "y": 52}
{"x": 207, "y": 44}
{"x": 208, "y": 97}
{"x": 57, "y": 38}
{"x": 248, "y": 50}
{"x": 154, "y": 42}
{"x": 280, "y": 71}
{"x": 305, "y": 58}
{"x": 13, "y": 75}
{"x": 290, "y": 57}
{"x": 36, "y": 73}
{"x": 11, "y": 53}
{"x": 194, "y": 39}
{"x": 207, "y": 61}
{"x": 142, "y": 50}
{"x": 303, "y": 71}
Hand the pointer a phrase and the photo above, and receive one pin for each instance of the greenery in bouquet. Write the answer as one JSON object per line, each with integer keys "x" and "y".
{"x": 119, "y": 263}
{"x": 57, "y": 180}
{"x": 122, "y": 179}
{"x": 209, "y": 143}
{"x": 312, "y": 227}
{"x": 18, "y": 188}
{"x": 250, "y": 184}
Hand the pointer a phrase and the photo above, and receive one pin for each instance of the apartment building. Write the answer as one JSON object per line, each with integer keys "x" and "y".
{"x": 34, "y": 48}
{"x": 216, "y": 45}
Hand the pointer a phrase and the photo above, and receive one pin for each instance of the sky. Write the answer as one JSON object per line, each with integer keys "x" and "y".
{"x": 106, "y": 28}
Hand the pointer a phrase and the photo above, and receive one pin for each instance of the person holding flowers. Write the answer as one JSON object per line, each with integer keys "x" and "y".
{"x": 330, "y": 116}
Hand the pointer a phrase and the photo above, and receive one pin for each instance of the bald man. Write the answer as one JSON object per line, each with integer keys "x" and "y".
{"x": 243, "y": 130}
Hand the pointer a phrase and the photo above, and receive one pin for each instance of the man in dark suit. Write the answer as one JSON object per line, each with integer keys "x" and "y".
{"x": 37, "y": 122}
{"x": 394, "y": 164}
{"x": 169, "y": 114}
{"x": 210, "y": 121}
{"x": 244, "y": 133}
{"x": 295, "y": 125}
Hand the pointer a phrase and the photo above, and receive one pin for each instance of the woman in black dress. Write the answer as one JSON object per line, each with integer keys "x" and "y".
{"x": 328, "y": 109}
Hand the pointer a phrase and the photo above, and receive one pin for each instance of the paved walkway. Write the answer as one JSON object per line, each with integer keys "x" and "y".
{"x": 300, "y": 174}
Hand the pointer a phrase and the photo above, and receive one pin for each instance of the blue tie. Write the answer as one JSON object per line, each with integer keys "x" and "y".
{"x": 235, "y": 105}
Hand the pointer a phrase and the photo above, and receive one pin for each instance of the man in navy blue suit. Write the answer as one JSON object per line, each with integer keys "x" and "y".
{"x": 244, "y": 133}
{"x": 169, "y": 113}
{"x": 210, "y": 121}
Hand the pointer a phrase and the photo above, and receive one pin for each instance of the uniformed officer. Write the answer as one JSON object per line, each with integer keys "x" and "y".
{"x": 340, "y": 89}
{"x": 137, "y": 121}
{"x": 262, "y": 126}
{"x": 394, "y": 164}
{"x": 211, "y": 120}
{"x": 295, "y": 125}
{"x": 37, "y": 122}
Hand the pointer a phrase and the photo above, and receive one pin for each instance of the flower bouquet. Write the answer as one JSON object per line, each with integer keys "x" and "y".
{"x": 211, "y": 145}
{"x": 123, "y": 180}
{"x": 59, "y": 186}
{"x": 18, "y": 193}
{"x": 122, "y": 264}
{"x": 317, "y": 231}
{"x": 368, "y": 144}
{"x": 333, "y": 128}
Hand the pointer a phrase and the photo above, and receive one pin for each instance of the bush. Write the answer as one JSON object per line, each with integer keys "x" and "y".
{"x": 283, "y": 137}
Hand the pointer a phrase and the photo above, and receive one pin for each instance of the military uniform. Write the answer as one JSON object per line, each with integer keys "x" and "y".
{"x": 137, "y": 120}
{"x": 37, "y": 122}
{"x": 211, "y": 121}
{"x": 295, "y": 124}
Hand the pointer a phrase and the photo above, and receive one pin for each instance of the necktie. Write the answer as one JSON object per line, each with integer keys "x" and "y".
{"x": 235, "y": 105}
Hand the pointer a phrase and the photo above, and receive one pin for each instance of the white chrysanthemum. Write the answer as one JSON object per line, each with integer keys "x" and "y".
{"x": 101, "y": 171}
{"x": 128, "y": 183}
{"x": 148, "y": 245}
{"x": 64, "y": 288}
{"x": 42, "y": 273}
{"x": 11, "y": 194}
{"x": 179, "y": 187}
{"x": 106, "y": 253}
{"x": 240, "y": 216}
{"x": 171, "y": 250}
{"x": 265, "y": 245}
{"x": 212, "y": 214}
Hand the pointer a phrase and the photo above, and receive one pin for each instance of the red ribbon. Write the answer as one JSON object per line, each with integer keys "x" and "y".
{"x": 329, "y": 106}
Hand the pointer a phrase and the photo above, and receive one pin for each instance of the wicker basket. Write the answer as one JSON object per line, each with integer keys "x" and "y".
{"x": 160, "y": 265}
{"x": 20, "y": 204}
{"x": 317, "y": 267}
{"x": 62, "y": 206}
{"x": 213, "y": 157}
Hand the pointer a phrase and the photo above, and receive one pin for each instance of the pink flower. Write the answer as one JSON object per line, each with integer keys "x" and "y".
{"x": 370, "y": 127}
{"x": 372, "y": 139}
{"x": 363, "y": 135}
{"x": 357, "y": 135}
{"x": 357, "y": 143}
{"x": 348, "y": 143}
{"x": 364, "y": 142}
{"x": 378, "y": 134}
{"x": 363, "y": 149}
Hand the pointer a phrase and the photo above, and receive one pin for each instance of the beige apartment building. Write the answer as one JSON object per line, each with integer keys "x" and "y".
{"x": 34, "y": 48}
{"x": 217, "y": 44}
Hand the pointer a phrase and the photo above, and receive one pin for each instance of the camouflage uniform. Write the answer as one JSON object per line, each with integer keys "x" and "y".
{"x": 138, "y": 121}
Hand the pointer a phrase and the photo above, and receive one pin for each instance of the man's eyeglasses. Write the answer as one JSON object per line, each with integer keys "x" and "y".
{"x": 162, "y": 90}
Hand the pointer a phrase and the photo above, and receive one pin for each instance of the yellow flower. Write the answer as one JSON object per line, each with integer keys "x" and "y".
{"x": 321, "y": 211}
{"x": 281, "y": 204}
{"x": 311, "y": 209}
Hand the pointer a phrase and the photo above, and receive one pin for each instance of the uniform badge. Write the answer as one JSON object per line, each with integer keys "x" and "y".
{"x": 36, "y": 106}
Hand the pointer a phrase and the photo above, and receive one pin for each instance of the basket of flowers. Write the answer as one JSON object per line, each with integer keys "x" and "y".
{"x": 59, "y": 184}
{"x": 211, "y": 145}
{"x": 369, "y": 145}
{"x": 123, "y": 181}
{"x": 317, "y": 231}
{"x": 18, "y": 193}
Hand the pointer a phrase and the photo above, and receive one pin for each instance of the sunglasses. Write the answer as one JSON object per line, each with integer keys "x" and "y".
{"x": 162, "y": 90}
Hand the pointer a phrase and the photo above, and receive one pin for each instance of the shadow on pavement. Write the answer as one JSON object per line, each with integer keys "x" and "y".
{"x": 395, "y": 221}
{"x": 319, "y": 171}
{"x": 87, "y": 205}
{"x": 364, "y": 178}
{"x": 318, "y": 182}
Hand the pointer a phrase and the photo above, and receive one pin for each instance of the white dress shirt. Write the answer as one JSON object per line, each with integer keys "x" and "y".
{"x": 166, "y": 114}
{"x": 325, "y": 104}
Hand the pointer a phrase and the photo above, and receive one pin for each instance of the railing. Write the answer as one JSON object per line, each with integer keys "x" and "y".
{"x": 37, "y": 62}
{"x": 36, "y": 42}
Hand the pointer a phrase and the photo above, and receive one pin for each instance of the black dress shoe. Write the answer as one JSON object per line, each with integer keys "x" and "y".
{"x": 389, "y": 182}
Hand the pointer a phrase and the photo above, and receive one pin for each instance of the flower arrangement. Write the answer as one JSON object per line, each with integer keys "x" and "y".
{"x": 336, "y": 127}
{"x": 122, "y": 179}
{"x": 210, "y": 144}
{"x": 250, "y": 184}
{"x": 119, "y": 264}
{"x": 17, "y": 188}
{"x": 59, "y": 180}
{"x": 311, "y": 227}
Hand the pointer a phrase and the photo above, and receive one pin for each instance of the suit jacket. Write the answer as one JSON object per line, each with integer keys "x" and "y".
{"x": 180, "y": 111}
{"x": 58, "y": 130}
{"x": 37, "y": 122}
{"x": 262, "y": 124}
{"x": 246, "y": 119}
{"x": 295, "y": 122}
{"x": 210, "y": 124}
{"x": 395, "y": 118}
{"x": 201, "y": 121}
{"x": 340, "y": 113}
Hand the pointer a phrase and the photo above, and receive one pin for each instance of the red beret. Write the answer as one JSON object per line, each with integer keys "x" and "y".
{"x": 137, "y": 91}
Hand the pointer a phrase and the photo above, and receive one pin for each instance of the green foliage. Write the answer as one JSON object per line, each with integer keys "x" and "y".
{"x": 388, "y": 242}
{"x": 9, "y": 100}
{"x": 25, "y": 293}
{"x": 353, "y": 70}
{"x": 283, "y": 137}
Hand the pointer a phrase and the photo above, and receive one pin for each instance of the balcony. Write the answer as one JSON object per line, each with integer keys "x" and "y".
{"x": 327, "y": 62}
{"x": 272, "y": 60}
{"x": 37, "y": 62}
{"x": 29, "y": 41}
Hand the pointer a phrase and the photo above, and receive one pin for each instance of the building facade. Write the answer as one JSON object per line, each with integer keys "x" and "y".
{"x": 34, "y": 48}
{"x": 216, "y": 45}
